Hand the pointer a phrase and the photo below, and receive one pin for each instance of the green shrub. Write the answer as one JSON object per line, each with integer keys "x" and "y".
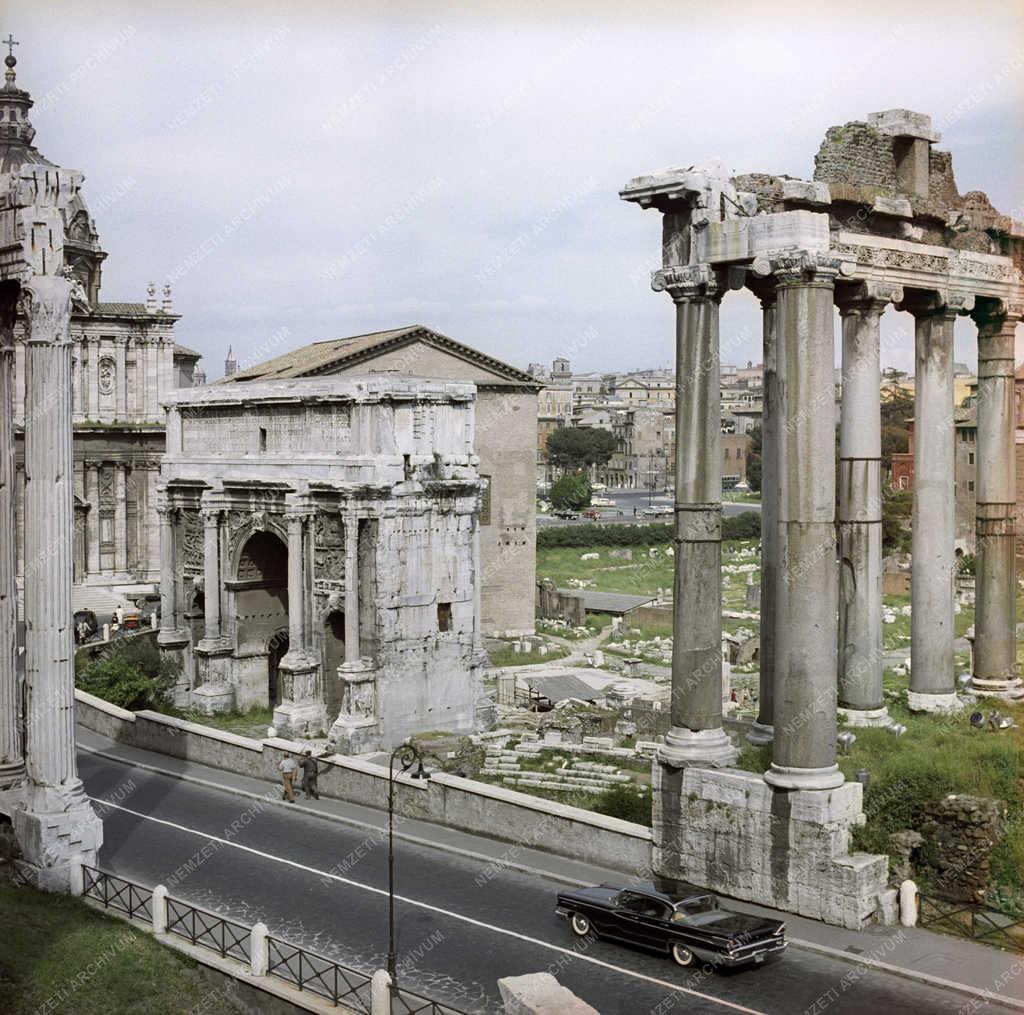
{"x": 625, "y": 801}
{"x": 131, "y": 675}
{"x": 571, "y": 492}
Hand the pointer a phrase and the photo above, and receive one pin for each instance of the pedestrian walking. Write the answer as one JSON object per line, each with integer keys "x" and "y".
{"x": 288, "y": 767}
{"x": 310, "y": 771}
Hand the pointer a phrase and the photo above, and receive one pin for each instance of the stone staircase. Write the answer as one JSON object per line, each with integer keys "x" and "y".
{"x": 100, "y": 600}
{"x": 572, "y": 776}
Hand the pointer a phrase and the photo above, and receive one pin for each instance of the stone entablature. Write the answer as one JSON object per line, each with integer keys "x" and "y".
{"x": 321, "y": 554}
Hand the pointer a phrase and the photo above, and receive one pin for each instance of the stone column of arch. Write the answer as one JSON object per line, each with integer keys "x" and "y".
{"x": 860, "y": 696}
{"x": 762, "y": 729}
{"x": 211, "y": 578}
{"x": 12, "y": 760}
{"x": 804, "y": 745}
{"x": 353, "y": 655}
{"x": 994, "y": 669}
{"x": 696, "y": 735}
{"x": 58, "y": 821}
{"x": 932, "y": 676}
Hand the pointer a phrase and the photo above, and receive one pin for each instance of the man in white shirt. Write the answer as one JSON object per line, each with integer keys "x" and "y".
{"x": 288, "y": 767}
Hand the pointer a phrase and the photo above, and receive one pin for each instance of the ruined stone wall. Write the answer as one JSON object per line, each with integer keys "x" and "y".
{"x": 960, "y": 832}
{"x": 856, "y": 153}
{"x": 428, "y": 677}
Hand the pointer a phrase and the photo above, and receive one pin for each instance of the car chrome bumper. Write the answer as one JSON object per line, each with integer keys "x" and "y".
{"x": 563, "y": 912}
{"x": 742, "y": 957}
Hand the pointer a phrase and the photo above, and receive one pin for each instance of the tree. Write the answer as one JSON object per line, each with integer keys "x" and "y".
{"x": 754, "y": 460}
{"x": 571, "y": 492}
{"x": 897, "y": 406}
{"x": 896, "y": 508}
{"x": 578, "y": 447}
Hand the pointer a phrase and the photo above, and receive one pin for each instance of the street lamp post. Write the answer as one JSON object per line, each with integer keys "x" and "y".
{"x": 406, "y": 755}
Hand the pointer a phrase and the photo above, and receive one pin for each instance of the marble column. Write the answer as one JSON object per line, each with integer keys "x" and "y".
{"x": 352, "y": 655}
{"x": 120, "y": 519}
{"x": 932, "y": 677}
{"x": 12, "y": 761}
{"x": 860, "y": 696}
{"x": 995, "y": 617}
{"x": 58, "y": 821}
{"x": 169, "y": 565}
{"x": 211, "y": 578}
{"x": 696, "y": 735}
{"x": 804, "y": 746}
{"x": 762, "y": 730}
{"x": 301, "y": 710}
{"x": 92, "y": 539}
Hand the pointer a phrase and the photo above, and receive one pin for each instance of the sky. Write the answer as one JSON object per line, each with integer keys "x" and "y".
{"x": 306, "y": 171}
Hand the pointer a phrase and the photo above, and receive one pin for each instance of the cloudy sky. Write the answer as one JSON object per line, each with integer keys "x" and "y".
{"x": 303, "y": 171}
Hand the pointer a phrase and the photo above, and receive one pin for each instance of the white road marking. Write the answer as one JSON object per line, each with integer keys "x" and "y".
{"x": 431, "y": 908}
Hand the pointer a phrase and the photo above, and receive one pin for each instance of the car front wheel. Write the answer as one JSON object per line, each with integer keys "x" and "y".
{"x": 682, "y": 956}
{"x": 580, "y": 925}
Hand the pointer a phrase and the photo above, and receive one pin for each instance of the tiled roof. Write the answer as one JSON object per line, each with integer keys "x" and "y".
{"x": 120, "y": 309}
{"x": 321, "y": 357}
{"x": 185, "y": 352}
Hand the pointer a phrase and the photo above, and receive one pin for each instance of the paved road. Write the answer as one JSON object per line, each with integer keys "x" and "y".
{"x": 462, "y": 923}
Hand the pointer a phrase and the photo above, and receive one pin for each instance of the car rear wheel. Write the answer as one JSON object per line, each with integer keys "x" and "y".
{"x": 580, "y": 925}
{"x": 682, "y": 956}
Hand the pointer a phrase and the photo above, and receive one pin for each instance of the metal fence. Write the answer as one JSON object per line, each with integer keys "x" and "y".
{"x": 971, "y": 920}
{"x": 303, "y": 969}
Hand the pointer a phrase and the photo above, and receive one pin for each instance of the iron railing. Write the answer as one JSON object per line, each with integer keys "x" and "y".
{"x": 199, "y": 927}
{"x": 971, "y": 920}
{"x": 303, "y": 969}
{"x": 116, "y": 893}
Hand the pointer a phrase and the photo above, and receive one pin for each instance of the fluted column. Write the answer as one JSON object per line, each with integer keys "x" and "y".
{"x": 932, "y": 677}
{"x": 92, "y": 538}
{"x": 170, "y": 607}
{"x": 860, "y": 695}
{"x": 296, "y": 596}
{"x": 772, "y": 621}
{"x": 995, "y": 617}
{"x": 92, "y": 386}
{"x": 120, "y": 518}
{"x": 12, "y": 762}
{"x": 804, "y": 747}
{"x": 211, "y": 578}
{"x": 696, "y": 735}
{"x": 352, "y": 654}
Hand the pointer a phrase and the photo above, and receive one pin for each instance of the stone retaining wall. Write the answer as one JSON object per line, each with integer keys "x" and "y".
{"x": 474, "y": 807}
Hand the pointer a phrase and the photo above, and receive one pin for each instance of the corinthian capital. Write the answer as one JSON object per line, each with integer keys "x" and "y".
{"x": 688, "y": 281}
{"x": 47, "y": 305}
{"x": 794, "y": 266}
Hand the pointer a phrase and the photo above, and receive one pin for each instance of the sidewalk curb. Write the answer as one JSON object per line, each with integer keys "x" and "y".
{"x": 501, "y": 861}
{"x": 910, "y": 974}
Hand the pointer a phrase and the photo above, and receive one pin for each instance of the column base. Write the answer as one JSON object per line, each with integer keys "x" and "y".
{"x": 12, "y": 775}
{"x": 786, "y": 777}
{"x": 760, "y": 734}
{"x": 299, "y": 718}
{"x": 683, "y": 747}
{"x": 55, "y": 826}
{"x": 172, "y": 638}
{"x": 212, "y": 699}
{"x": 1006, "y": 690}
{"x": 919, "y": 701}
{"x": 865, "y": 716}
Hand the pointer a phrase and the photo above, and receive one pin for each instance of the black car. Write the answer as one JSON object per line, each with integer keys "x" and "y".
{"x": 680, "y": 920}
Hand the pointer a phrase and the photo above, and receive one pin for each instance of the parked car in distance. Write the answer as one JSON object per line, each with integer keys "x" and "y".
{"x": 86, "y": 626}
{"x": 565, "y": 513}
{"x": 674, "y": 918}
{"x": 592, "y": 513}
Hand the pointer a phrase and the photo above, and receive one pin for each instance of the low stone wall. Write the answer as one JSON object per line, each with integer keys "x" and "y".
{"x": 733, "y": 833}
{"x": 651, "y": 618}
{"x": 475, "y": 807}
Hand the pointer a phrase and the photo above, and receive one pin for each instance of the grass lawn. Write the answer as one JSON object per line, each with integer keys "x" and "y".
{"x": 253, "y": 723}
{"x": 505, "y": 656}
{"x": 936, "y": 756}
{"x": 59, "y": 955}
{"x": 741, "y": 497}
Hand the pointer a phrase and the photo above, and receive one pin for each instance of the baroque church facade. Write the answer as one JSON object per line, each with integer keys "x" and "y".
{"x": 125, "y": 361}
